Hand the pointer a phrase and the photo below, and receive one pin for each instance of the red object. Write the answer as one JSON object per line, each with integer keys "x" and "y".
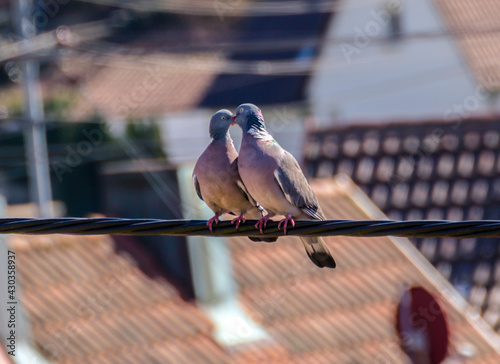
{"x": 421, "y": 326}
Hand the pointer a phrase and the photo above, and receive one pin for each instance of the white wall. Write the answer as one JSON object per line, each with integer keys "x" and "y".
{"x": 185, "y": 135}
{"x": 361, "y": 79}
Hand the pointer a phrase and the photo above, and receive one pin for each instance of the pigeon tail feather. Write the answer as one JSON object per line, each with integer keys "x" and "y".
{"x": 318, "y": 252}
{"x": 265, "y": 240}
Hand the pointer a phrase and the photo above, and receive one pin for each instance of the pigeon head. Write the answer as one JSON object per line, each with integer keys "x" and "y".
{"x": 249, "y": 116}
{"x": 220, "y": 123}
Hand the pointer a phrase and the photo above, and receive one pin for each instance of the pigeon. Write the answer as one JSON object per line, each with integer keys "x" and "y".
{"x": 217, "y": 181}
{"x": 274, "y": 179}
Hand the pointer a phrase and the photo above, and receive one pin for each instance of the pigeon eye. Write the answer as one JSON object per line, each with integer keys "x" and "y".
{"x": 241, "y": 109}
{"x": 223, "y": 117}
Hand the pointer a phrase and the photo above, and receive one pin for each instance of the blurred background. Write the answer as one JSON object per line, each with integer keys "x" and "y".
{"x": 391, "y": 106}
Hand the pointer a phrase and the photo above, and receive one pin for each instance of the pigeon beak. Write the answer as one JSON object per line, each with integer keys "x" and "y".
{"x": 233, "y": 118}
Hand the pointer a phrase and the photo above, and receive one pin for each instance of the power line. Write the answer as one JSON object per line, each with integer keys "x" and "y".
{"x": 232, "y": 8}
{"x": 215, "y": 63}
{"x": 51, "y": 39}
{"x": 120, "y": 226}
{"x": 280, "y": 43}
{"x": 80, "y": 37}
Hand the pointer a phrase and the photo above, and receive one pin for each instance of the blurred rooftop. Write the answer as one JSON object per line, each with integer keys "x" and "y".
{"x": 92, "y": 299}
{"x": 481, "y": 48}
{"x": 4, "y": 357}
{"x": 428, "y": 170}
{"x": 88, "y": 303}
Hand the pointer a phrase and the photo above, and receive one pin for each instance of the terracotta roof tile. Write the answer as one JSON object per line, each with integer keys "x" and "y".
{"x": 141, "y": 85}
{"x": 87, "y": 303}
{"x": 4, "y": 357}
{"x": 344, "y": 315}
{"x": 269, "y": 352}
{"x": 480, "y": 39}
{"x": 457, "y": 181}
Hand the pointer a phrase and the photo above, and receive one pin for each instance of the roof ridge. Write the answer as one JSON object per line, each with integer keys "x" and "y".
{"x": 373, "y": 126}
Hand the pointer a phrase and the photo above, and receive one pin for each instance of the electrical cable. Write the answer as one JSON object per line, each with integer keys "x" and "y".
{"x": 121, "y": 226}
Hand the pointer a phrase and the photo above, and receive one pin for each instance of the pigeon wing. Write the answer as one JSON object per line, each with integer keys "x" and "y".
{"x": 295, "y": 187}
{"x": 196, "y": 185}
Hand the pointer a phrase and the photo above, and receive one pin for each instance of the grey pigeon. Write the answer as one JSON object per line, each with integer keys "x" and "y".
{"x": 274, "y": 179}
{"x": 216, "y": 178}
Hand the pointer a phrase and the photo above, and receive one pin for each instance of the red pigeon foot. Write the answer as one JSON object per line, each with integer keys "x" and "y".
{"x": 262, "y": 223}
{"x": 240, "y": 219}
{"x": 211, "y": 221}
{"x": 285, "y": 222}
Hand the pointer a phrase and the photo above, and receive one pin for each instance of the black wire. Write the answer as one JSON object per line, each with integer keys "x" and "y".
{"x": 120, "y": 226}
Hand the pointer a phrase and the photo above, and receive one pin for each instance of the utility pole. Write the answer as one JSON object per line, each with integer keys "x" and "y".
{"x": 35, "y": 136}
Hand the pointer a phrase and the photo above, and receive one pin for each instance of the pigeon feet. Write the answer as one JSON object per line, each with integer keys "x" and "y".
{"x": 212, "y": 220}
{"x": 262, "y": 223}
{"x": 240, "y": 219}
{"x": 285, "y": 222}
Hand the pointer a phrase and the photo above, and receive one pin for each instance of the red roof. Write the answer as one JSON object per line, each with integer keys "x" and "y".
{"x": 4, "y": 357}
{"x": 346, "y": 315}
{"x": 428, "y": 170}
{"x": 128, "y": 86}
{"x": 88, "y": 304}
{"x": 476, "y": 23}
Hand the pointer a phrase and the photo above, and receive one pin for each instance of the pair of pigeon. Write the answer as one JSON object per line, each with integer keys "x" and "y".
{"x": 262, "y": 176}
